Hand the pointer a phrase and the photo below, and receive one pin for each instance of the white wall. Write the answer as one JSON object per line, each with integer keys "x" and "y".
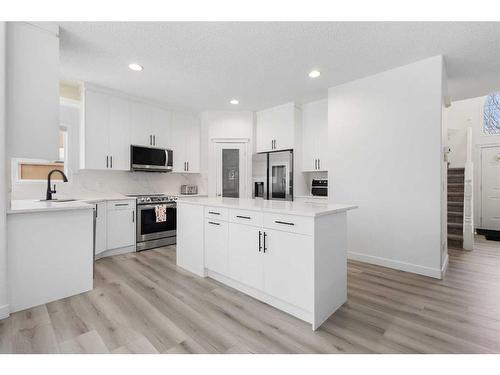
{"x": 224, "y": 125}
{"x": 32, "y": 91}
{"x": 4, "y": 308}
{"x": 385, "y": 137}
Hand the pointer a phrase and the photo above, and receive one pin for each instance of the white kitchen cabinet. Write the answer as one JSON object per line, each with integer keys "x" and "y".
{"x": 276, "y": 128}
{"x": 150, "y": 125}
{"x": 315, "y": 136}
{"x": 104, "y": 137}
{"x": 245, "y": 261}
{"x": 293, "y": 258}
{"x": 216, "y": 232}
{"x": 94, "y": 132}
{"x": 120, "y": 223}
{"x": 288, "y": 267}
{"x": 100, "y": 228}
{"x": 186, "y": 142}
{"x": 119, "y": 134}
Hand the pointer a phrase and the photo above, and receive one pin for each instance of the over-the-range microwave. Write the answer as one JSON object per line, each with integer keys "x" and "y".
{"x": 151, "y": 159}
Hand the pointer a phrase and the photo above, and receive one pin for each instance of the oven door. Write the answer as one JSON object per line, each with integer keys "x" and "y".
{"x": 149, "y": 229}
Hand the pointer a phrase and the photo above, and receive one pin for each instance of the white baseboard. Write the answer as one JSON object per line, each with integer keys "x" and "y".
{"x": 445, "y": 265}
{"x": 4, "y": 311}
{"x": 119, "y": 251}
{"x": 396, "y": 264}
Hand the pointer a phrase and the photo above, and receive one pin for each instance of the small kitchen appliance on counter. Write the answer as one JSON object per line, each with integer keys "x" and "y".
{"x": 189, "y": 189}
{"x": 319, "y": 187}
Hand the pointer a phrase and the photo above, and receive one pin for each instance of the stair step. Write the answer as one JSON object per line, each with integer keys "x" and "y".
{"x": 456, "y": 171}
{"x": 455, "y": 228}
{"x": 456, "y": 179}
{"x": 456, "y": 204}
{"x": 455, "y": 187}
{"x": 455, "y": 237}
{"x": 456, "y": 244}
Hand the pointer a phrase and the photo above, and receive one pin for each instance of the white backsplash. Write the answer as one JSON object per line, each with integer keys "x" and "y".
{"x": 86, "y": 182}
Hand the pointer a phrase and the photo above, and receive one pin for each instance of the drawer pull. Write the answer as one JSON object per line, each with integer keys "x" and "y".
{"x": 283, "y": 222}
{"x": 211, "y": 222}
{"x": 121, "y": 204}
{"x": 213, "y": 213}
{"x": 243, "y": 217}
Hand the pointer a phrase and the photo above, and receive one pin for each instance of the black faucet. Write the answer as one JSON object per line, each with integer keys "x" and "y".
{"x": 49, "y": 191}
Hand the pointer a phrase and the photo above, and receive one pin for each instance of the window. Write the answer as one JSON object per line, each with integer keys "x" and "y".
{"x": 36, "y": 170}
{"x": 491, "y": 114}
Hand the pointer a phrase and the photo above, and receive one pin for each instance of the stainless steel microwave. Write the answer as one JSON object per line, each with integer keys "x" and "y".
{"x": 150, "y": 159}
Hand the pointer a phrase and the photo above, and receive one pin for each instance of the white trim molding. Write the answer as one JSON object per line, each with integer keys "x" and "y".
{"x": 4, "y": 311}
{"x": 445, "y": 266}
{"x": 398, "y": 265}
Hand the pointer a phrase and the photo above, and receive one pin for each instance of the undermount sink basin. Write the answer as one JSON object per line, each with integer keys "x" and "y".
{"x": 57, "y": 200}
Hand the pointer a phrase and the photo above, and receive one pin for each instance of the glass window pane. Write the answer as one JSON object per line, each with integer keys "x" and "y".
{"x": 231, "y": 173}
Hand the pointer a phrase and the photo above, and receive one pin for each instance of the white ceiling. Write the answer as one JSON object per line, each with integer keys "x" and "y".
{"x": 202, "y": 65}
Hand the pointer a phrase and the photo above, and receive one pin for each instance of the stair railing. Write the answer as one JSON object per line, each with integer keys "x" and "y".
{"x": 468, "y": 217}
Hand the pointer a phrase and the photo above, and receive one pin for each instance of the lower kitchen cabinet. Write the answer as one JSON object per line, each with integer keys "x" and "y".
{"x": 293, "y": 258}
{"x": 216, "y": 245}
{"x": 288, "y": 267}
{"x": 115, "y": 227}
{"x": 245, "y": 261}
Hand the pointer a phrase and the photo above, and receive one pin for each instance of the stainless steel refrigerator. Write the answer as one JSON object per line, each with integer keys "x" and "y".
{"x": 272, "y": 175}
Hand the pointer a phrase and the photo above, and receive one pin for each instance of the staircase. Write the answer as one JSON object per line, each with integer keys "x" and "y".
{"x": 456, "y": 178}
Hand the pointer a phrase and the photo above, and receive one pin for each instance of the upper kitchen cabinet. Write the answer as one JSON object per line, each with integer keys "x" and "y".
{"x": 150, "y": 125}
{"x": 186, "y": 142}
{"x": 104, "y": 132}
{"x": 276, "y": 128}
{"x": 315, "y": 136}
{"x": 32, "y": 90}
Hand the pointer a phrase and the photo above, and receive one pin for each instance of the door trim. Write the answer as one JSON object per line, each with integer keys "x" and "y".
{"x": 479, "y": 174}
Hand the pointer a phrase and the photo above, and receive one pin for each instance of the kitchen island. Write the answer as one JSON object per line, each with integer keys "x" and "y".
{"x": 291, "y": 255}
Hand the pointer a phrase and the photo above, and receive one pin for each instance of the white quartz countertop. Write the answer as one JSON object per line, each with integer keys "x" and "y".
{"x": 26, "y": 206}
{"x": 272, "y": 206}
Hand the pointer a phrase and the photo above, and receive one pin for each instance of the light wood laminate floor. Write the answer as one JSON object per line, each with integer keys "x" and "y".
{"x": 143, "y": 303}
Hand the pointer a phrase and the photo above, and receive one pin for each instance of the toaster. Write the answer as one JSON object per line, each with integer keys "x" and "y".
{"x": 189, "y": 189}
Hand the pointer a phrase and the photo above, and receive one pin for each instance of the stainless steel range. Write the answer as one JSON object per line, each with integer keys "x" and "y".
{"x": 151, "y": 232}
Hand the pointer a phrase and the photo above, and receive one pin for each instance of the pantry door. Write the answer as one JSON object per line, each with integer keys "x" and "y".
{"x": 231, "y": 173}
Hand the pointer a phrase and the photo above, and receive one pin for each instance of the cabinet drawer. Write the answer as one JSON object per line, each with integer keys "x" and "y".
{"x": 121, "y": 205}
{"x": 289, "y": 223}
{"x": 218, "y": 213}
{"x": 246, "y": 217}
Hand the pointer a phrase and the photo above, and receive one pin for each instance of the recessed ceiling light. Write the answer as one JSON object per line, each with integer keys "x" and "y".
{"x": 314, "y": 74}
{"x": 135, "y": 67}
{"x": 234, "y": 101}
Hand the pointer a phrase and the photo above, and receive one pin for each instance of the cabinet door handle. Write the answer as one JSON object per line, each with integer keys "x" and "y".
{"x": 265, "y": 247}
{"x": 319, "y": 165}
{"x": 121, "y": 204}
{"x": 244, "y": 217}
{"x": 283, "y": 222}
{"x": 107, "y": 161}
{"x": 96, "y": 211}
{"x": 111, "y": 161}
{"x": 213, "y": 213}
{"x": 133, "y": 216}
{"x": 187, "y": 163}
{"x": 154, "y": 140}
{"x": 211, "y": 222}
{"x": 260, "y": 241}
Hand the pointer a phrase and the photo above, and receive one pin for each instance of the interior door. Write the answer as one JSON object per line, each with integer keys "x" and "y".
{"x": 231, "y": 170}
{"x": 490, "y": 188}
